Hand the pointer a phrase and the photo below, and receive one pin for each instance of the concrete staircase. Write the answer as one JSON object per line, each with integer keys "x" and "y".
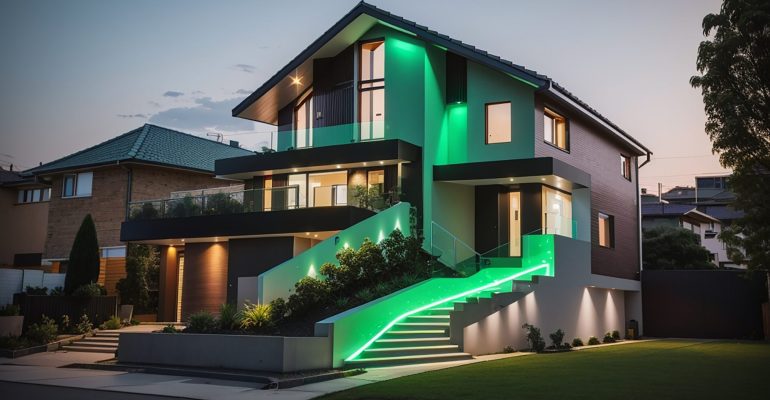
{"x": 101, "y": 342}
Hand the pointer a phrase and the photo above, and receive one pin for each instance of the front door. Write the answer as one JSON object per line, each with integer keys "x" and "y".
{"x": 514, "y": 233}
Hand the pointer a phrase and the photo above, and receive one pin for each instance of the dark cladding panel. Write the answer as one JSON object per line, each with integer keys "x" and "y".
{"x": 456, "y": 78}
{"x": 251, "y": 257}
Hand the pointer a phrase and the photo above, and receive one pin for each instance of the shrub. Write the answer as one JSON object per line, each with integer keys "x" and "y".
{"x": 83, "y": 267}
{"x": 228, "y": 317}
{"x": 592, "y": 341}
{"x": 608, "y": 338}
{"x": 616, "y": 335}
{"x": 577, "y": 342}
{"x": 255, "y": 317}
{"x": 112, "y": 323}
{"x": 184, "y": 207}
{"x": 14, "y": 342}
{"x": 65, "y": 325}
{"x": 508, "y": 349}
{"x": 202, "y": 322}
{"x": 84, "y": 325}
{"x": 142, "y": 267}
{"x": 36, "y": 291}
{"x": 341, "y": 303}
{"x": 221, "y": 203}
{"x": 57, "y": 291}
{"x": 278, "y": 310}
{"x": 9, "y": 310}
{"x": 557, "y": 338}
{"x": 148, "y": 211}
{"x": 170, "y": 329}
{"x": 90, "y": 290}
{"x": 309, "y": 293}
{"x": 134, "y": 322}
{"x": 43, "y": 332}
{"x": 534, "y": 338}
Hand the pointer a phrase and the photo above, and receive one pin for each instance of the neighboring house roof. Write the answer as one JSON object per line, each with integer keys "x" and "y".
{"x": 689, "y": 194}
{"x": 13, "y": 179}
{"x": 149, "y": 144}
{"x": 722, "y": 212}
{"x": 676, "y": 210}
{"x": 472, "y": 53}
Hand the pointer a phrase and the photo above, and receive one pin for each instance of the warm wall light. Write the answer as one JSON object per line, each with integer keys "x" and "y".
{"x": 511, "y": 179}
{"x": 294, "y": 170}
{"x": 182, "y": 240}
{"x": 316, "y": 235}
{"x": 364, "y": 163}
{"x": 296, "y": 80}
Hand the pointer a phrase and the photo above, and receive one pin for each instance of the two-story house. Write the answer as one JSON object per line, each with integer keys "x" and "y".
{"x": 504, "y": 167}
{"x": 23, "y": 203}
{"x": 146, "y": 163}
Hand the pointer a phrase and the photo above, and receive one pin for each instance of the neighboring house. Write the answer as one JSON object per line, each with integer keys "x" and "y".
{"x": 149, "y": 162}
{"x": 688, "y": 217}
{"x": 24, "y": 212}
{"x": 503, "y": 166}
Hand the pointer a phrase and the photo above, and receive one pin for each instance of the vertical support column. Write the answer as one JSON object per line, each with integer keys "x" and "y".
{"x": 167, "y": 284}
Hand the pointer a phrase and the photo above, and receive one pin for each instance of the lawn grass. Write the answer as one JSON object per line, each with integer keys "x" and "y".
{"x": 666, "y": 369}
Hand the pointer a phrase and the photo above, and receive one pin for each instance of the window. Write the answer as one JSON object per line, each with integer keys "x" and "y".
{"x": 33, "y": 195}
{"x": 303, "y": 121}
{"x": 77, "y": 185}
{"x": 376, "y": 179}
{"x": 555, "y": 130}
{"x": 297, "y": 193}
{"x": 606, "y": 230}
{"x": 327, "y": 188}
{"x": 498, "y": 122}
{"x": 625, "y": 166}
{"x": 557, "y": 212}
{"x": 371, "y": 90}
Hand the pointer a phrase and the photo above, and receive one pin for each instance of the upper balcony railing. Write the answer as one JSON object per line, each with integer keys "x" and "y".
{"x": 329, "y": 135}
{"x": 236, "y": 202}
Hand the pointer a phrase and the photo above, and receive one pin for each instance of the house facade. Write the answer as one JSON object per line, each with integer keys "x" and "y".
{"x": 501, "y": 166}
{"x": 23, "y": 202}
{"x": 146, "y": 163}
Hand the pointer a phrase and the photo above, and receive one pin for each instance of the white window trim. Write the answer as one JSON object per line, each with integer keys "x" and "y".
{"x": 75, "y": 186}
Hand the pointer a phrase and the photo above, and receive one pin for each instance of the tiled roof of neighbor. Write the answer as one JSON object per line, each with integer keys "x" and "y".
{"x": 149, "y": 144}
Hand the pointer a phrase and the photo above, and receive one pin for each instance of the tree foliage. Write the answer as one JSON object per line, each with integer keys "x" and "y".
{"x": 83, "y": 265}
{"x": 668, "y": 247}
{"x": 734, "y": 63}
{"x": 142, "y": 274}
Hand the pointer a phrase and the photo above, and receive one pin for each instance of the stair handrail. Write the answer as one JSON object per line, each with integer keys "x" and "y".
{"x": 453, "y": 262}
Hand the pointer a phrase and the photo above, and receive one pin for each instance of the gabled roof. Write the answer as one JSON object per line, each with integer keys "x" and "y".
{"x": 362, "y": 9}
{"x": 149, "y": 144}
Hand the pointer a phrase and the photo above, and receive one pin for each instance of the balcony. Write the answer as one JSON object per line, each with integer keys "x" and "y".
{"x": 329, "y": 135}
{"x": 224, "y": 202}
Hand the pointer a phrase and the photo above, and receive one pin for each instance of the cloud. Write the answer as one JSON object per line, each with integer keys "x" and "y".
{"x": 204, "y": 116}
{"x": 245, "y": 68}
{"x": 132, "y": 115}
{"x": 172, "y": 93}
{"x": 243, "y": 91}
{"x": 154, "y": 103}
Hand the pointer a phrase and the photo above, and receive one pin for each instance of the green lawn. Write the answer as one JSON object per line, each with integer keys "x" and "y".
{"x": 670, "y": 369}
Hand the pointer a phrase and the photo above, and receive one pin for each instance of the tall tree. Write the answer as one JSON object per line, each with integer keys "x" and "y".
{"x": 668, "y": 247}
{"x": 83, "y": 267}
{"x": 734, "y": 62}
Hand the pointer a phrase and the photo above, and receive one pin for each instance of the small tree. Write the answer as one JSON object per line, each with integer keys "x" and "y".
{"x": 666, "y": 247}
{"x": 141, "y": 265}
{"x": 83, "y": 265}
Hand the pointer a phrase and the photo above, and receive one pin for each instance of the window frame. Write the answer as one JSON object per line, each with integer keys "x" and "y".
{"x": 305, "y": 99}
{"x": 76, "y": 178}
{"x": 371, "y": 86}
{"x": 625, "y": 167}
{"x": 486, "y": 121}
{"x": 553, "y": 115}
{"x": 610, "y": 221}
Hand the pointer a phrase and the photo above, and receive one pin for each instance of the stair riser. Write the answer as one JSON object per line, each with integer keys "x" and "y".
{"x": 388, "y": 363}
{"x": 400, "y": 353}
{"x": 96, "y": 345}
{"x": 428, "y": 319}
{"x": 387, "y": 345}
{"x": 99, "y": 340}
{"x": 88, "y": 350}
{"x": 393, "y": 335}
{"x": 432, "y": 326}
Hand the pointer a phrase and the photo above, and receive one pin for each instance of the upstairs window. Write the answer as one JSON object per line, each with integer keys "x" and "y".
{"x": 77, "y": 185}
{"x": 371, "y": 90}
{"x": 33, "y": 195}
{"x": 555, "y": 130}
{"x": 303, "y": 121}
{"x": 625, "y": 166}
{"x": 606, "y": 230}
{"x": 498, "y": 122}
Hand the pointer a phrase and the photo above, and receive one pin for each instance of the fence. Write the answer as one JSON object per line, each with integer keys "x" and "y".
{"x": 16, "y": 280}
{"x": 33, "y": 307}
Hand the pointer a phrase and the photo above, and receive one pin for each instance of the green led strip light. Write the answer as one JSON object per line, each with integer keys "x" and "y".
{"x": 438, "y": 302}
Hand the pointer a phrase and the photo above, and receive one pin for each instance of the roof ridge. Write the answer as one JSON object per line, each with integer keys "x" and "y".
{"x": 139, "y": 142}
{"x": 84, "y": 150}
{"x": 196, "y": 137}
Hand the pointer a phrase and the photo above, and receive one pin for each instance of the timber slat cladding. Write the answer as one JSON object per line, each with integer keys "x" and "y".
{"x": 111, "y": 270}
{"x": 205, "y": 277}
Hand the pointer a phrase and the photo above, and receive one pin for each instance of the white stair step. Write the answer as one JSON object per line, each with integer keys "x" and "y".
{"x": 417, "y": 359}
{"x": 84, "y": 349}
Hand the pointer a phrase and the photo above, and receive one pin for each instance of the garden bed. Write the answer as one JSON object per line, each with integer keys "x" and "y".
{"x": 62, "y": 340}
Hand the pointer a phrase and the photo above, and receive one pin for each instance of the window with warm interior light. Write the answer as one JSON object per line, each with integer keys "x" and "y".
{"x": 268, "y": 194}
{"x": 371, "y": 89}
{"x": 376, "y": 180}
{"x": 303, "y": 121}
{"x": 557, "y": 212}
{"x": 606, "y": 230}
{"x": 555, "y": 129}
{"x": 625, "y": 166}
{"x": 77, "y": 185}
{"x": 498, "y": 122}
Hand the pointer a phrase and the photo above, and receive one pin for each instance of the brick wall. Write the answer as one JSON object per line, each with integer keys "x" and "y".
{"x": 599, "y": 155}
{"x": 107, "y": 204}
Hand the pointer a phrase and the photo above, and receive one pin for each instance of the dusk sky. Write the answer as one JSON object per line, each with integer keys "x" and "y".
{"x": 76, "y": 73}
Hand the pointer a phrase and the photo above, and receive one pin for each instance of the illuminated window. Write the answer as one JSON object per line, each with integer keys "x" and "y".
{"x": 268, "y": 194}
{"x": 303, "y": 121}
{"x": 625, "y": 166}
{"x": 557, "y": 212}
{"x": 376, "y": 180}
{"x": 371, "y": 90}
{"x": 555, "y": 130}
{"x": 606, "y": 230}
{"x": 498, "y": 122}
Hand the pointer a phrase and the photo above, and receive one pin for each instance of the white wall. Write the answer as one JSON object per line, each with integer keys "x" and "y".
{"x": 575, "y": 301}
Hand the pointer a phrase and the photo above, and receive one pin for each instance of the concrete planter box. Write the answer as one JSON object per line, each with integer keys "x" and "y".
{"x": 242, "y": 352}
{"x": 11, "y": 325}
